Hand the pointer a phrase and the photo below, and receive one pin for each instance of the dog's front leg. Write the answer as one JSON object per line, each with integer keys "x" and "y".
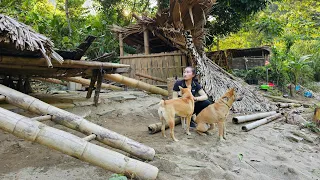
{"x": 224, "y": 130}
{"x": 221, "y": 128}
{"x": 188, "y": 125}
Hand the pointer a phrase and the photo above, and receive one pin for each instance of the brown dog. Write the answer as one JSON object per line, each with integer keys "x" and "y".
{"x": 182, "y": 107}
{"x": 216, "y": 113}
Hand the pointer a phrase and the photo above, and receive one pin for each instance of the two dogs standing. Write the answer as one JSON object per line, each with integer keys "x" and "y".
{"x": 184, "y": 106}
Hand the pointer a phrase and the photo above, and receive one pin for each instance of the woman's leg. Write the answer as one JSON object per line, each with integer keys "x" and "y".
{"x": 198, "y": 106}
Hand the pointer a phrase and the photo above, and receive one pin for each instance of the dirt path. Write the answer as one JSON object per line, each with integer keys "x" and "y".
{"x": 267, "y": 151}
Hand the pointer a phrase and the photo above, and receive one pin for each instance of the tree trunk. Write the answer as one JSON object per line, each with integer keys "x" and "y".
{"x": 78, "y": 123}
{"x": 68, "y": 18}
{"x": 74, "y": 146}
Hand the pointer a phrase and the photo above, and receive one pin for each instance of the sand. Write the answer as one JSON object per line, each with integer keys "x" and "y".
{"x": 267, "y": 152}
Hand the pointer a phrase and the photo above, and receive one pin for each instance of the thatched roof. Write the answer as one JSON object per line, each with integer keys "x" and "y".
{"x": 14, "y": 34}
{"x": 166, "y": 29}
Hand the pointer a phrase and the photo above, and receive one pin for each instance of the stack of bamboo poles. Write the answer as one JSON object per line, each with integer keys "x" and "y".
{"x": 262, "y": 118}
{"x": 71, "y": 145}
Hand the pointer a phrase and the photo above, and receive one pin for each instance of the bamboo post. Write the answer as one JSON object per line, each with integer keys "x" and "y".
{"x": 316, "y": 116}
{"x": 74, "y": 146}
{"x": 87, "y": 83}
{"x": 121, "y": 44}
{"x": 92, "y": 83}
{"x": 146, "y": 40}
{"x": 151, "y": 77}
{"x": 27, "y": 86}
{"x": 156, "y": 127}
{"x": 51, "y": 80}
{"x": 97, "y": 91}
{"x": 136, "y": 84}
{"x": 78, "y": 123}
{"x": 251, "y": 117}
{"x": 260, "y": 122}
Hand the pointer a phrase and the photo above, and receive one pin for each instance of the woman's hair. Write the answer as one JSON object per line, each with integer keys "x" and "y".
{"x": 194, "y": 72}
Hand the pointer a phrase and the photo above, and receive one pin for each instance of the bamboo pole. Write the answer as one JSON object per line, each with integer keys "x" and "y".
{"x": 97, "y": 91}
{"x": 146, "y": 40}
{"x": 151, "y": 77}
{"x": 74, "y": 146}
{"x": 78, "y": 123}
{"x": 121, "y": 44}
{"x": 156, "y": 127}
{"x": 276, "y": 98}
{"x": 51, "y": 80}
{"x": 42, "y": 118}
{"x": 136, "y": 84}
{"x": 251, "y": 117}
{"x": 92, "y": 83}
{"x": 24, "y": 61}
{"x": 87, "y": 83}
{"x": 260, "y": 122}
{"x": 316, "y": 116}
{"x": 90, "y": 137}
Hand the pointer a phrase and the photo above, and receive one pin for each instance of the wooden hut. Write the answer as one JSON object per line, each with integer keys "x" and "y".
{"x": 160, "y": 41}
{"x": 241, "y": 58}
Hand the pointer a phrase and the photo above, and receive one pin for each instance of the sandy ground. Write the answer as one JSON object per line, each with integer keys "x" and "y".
{"x": 267, "y": 152}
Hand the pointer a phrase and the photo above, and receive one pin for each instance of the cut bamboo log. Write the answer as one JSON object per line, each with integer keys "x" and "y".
{"x": 78, "y": 123}
{"x": 288, "y": 105}
{"x": 151, "y": 77}
{"x": 156, "y": 127}
{"x": 260, "y": 122}
{"x": 251, "y": 117}
{"x": 136, "y": 84}
{"x": 52, "y": 80}
{"x": 2, "y": 98}
{"x": 42, "y": 118}
{"x": 316, "y": 116}
{"x": 74, "y": 146}
{"x": 280, "y": 99}
{"x": 87, "y": 83}
{"x": 90, "y": 137}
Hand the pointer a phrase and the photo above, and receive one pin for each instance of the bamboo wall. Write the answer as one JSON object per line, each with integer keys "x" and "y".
{"x": 160, "y": 65}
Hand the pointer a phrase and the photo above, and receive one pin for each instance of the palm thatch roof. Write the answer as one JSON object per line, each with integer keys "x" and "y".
{"x": 14, "y": 34}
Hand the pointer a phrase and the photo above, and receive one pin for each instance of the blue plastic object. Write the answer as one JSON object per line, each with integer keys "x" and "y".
{"x": 297, "y": 87}
{"x": 308, "y": 94}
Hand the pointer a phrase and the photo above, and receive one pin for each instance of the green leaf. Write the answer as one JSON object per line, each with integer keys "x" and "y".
{"x": 240, "y": 156}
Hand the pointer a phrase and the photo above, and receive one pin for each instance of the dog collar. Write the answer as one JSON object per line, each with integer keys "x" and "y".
{"x": 225, "y": 103}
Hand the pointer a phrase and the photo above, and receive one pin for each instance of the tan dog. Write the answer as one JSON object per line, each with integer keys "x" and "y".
{"x": 182, "y": 107}
{"x": 216, "y": 113}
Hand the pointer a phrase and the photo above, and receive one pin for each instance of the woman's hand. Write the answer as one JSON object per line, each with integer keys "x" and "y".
{"x": 195, "y": 98}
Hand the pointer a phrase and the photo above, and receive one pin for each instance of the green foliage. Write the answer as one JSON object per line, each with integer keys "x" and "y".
{"x": 313, "y": 87}
{"x": 259, "y": 73}
{"x": 312, "y": 127}
{"x": 118, "y": 177}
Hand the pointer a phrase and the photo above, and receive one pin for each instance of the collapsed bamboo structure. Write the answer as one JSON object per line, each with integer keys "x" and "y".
{"x": 87, "y": 83}
{"x": 78, "y": 123}
{"x": 74, "y": 146}
{"x": 135, "y": 84}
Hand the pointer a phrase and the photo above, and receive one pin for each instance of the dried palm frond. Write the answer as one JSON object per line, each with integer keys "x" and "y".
{"x": 25, "y": 38}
